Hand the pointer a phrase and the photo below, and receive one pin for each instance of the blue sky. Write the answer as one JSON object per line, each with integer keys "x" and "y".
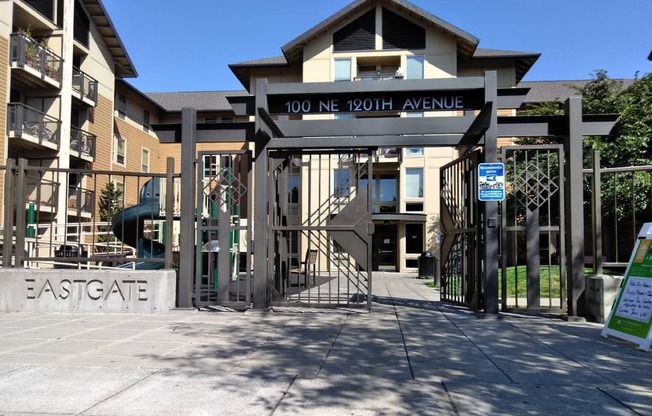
{"x": 187, "y": 45}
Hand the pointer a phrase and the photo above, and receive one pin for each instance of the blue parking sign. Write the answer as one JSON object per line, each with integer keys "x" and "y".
{"x": 491, "y": 182}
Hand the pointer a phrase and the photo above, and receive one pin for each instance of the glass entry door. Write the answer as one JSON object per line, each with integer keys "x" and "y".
{"x": 384, "y": 247}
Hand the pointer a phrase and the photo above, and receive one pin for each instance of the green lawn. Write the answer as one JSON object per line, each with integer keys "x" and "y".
{"x": 549, "y": 282}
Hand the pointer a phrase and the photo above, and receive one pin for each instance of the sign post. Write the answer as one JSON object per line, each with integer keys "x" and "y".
{"x": 491, "y": 182}
{"x": 631, "y": 314}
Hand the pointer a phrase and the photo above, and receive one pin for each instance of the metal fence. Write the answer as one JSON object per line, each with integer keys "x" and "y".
{"x": 76, "y": 218}
{"x": 618, "y": 201}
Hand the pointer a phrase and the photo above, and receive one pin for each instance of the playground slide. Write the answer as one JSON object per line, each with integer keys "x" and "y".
{"x": 128, "y": 226}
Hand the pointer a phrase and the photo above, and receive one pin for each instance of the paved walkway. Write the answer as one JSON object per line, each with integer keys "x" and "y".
{"x": 410, "y": 356}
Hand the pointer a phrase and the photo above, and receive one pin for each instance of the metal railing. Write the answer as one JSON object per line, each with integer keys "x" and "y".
{"x": 25, "y": 120}
{"x": 26, "y": 51}
{"x": 620, "y": 203}
{"x": 82, "y": 142}
{"x": 81, "y": 200}
{"x": 50, "y": 233}
{"x": 84, "y": 85}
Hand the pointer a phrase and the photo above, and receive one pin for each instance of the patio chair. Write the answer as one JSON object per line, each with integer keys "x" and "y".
{"x": 305, "y": 268}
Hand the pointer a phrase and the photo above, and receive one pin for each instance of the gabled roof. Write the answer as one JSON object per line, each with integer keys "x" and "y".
{"x": 466, "y": 43}
{"x": 542, "y": 91}
{"x": 242, "y": 70}
{"x": 140, "y": 93}
{"x": 523, "y": 61}
{"x": 200, "y": 100}
{"x": 124, "y": 67}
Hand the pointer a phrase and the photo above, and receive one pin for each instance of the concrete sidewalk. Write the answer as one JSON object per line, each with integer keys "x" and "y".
{"x": 412, "y": 355}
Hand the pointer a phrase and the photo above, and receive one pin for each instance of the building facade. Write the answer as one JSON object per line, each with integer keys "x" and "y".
{"x": 375, "y": 41}
{"x": 69, "y": 106}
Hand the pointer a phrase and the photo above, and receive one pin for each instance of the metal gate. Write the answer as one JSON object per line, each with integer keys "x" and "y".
{"x": 320, "y": 231}
{"x": 223, "y": 209}
{"x": 533, "y": 234}
{"x": 532, "y": 246}
{"x": 461, "y": 254}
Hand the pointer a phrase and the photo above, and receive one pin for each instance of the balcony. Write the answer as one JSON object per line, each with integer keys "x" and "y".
{"x": 383, "y": 155}
{"x": 33, "y": 126}
{"x": 84, "y": 87}
{"x": 82, "y": 144}
{"x": 39, "y": 66}
{"x": 80, "y": 202}
{"x": 43, "y": 194}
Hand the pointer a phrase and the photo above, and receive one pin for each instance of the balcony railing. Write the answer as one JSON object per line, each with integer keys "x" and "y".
{"x": 27, "y": 52}
{"x": 84, "y": 85}
{"x": 27, "y": 121}
{"x": 377, "y": 77}
{"x": 43, "y": 193}
{"x": 82, "y": 142}
{"x": 80, "y": 200}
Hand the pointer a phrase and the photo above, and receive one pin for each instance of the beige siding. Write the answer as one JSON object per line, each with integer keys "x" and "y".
{"x": 4, "y": 69}
{"x": 102, "y": 127}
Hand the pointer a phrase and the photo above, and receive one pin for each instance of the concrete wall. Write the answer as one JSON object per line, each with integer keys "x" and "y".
{"x": 67, "y": 291}
{"x": 599, "y": 296}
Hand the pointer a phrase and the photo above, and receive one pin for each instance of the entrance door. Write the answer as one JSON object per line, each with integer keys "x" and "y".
{"x": 384, "y": 247}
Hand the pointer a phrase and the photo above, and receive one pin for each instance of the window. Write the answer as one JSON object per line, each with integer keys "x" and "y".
{"x": 414, "y": 67}
{"x": 146, "y": 126}
{"x": 414, "y": 207}
{"x": 119, "y": 150}
{"x": 145, "y": 161}
{"x": 383, "y": 192}
{"x": 227, "y": 120}
{"x": 414, "y": 182}
{"x": 414, "y": 151}
{"x": 342, "y": 70}
{"x": 210, "y": 120}
{"x": 293, "y": 236}
{"x": 121, "y": 106}
{"x": 120, "y": 190}
{"x": 210, "y": 166}
{"x": 413, "y": 238}
{"x": 293, "y": 193}
{"x": 341, "y": 180}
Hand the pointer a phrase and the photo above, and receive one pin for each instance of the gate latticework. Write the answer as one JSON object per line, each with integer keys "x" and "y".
{"x": 320, "y": 240}
{"x": 461, "y": 255}
{"x": 223, "y": 253}
{"x": 533, "y": 243}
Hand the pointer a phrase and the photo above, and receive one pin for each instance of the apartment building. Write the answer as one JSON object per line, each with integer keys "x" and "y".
{"x": 62, "y": 59}
{"x": 375, "y": 41}
{"x": 69, "y": 106}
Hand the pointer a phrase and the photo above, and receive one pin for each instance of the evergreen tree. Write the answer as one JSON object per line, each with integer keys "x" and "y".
{"x": 110, "y": 203}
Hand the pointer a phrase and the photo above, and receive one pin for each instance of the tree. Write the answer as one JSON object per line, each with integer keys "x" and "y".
{"x": 110, "y": 203}
{"x": 625, "y": 196}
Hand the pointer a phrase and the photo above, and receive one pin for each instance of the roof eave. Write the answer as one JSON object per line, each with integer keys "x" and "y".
{"x": 124, "y": 67}
{"x": 523, "y": 62}
{"x": 143, "y": 95}
{"x": 242, "y": 71}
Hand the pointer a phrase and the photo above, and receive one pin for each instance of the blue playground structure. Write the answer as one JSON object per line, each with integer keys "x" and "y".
{"x": 128, "y": 226}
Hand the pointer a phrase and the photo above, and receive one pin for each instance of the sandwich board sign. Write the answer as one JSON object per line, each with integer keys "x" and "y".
{"x": 631, "y": 314}
{"x": 491, "y": 182}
